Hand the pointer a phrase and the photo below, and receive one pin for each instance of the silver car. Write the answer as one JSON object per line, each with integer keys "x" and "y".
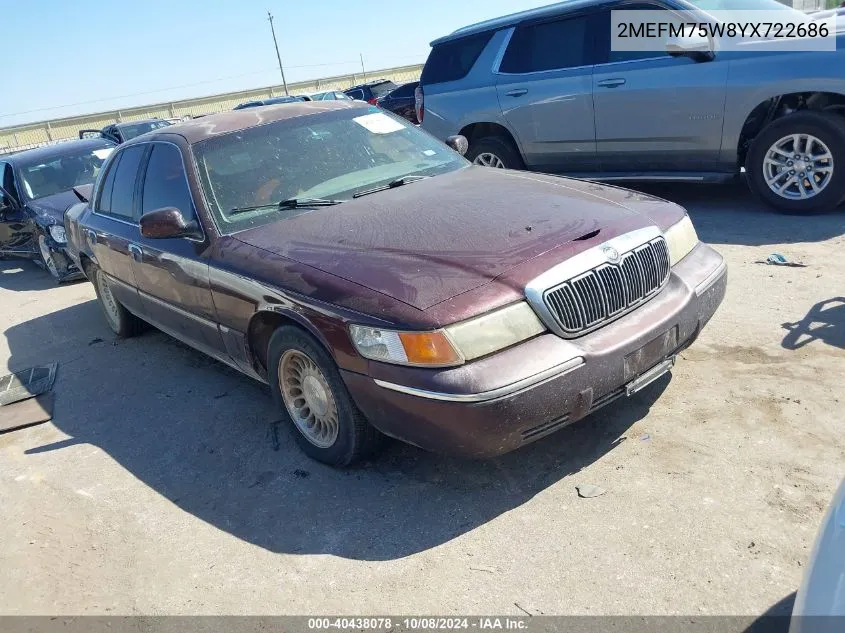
{"x": 543, "y": 90}
{"x": 822, "y": 592}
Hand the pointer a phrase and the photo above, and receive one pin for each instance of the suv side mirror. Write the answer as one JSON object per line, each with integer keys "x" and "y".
{"x": 168, "y": 222}
{"x": 459, "y": 143}
{"x": 699, "y": 49}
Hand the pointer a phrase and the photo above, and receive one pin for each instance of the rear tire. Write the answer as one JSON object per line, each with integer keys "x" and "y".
{"x": 827, "y": 131}
{"x": 121, "y": 321}
{"x": 495, "y": 151}
{"x": 325, "y": 422}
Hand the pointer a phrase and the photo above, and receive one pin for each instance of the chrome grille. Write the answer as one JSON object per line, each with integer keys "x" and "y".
{"x": 607, "y": 291}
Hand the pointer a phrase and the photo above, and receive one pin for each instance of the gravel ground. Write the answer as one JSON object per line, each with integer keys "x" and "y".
{"x": 159, "y": 487}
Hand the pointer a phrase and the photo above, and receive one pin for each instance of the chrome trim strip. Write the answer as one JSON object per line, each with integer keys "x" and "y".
{"x": 578, "y": 264}
{"x": 493, "y": 394}
{"x": 711, "y": 279}
{"x": 179, "y": 311}
{"x": 116, "y": 219}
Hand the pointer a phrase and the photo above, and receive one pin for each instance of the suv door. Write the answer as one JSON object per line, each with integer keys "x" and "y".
{"x": 172, "y": 274}
{"x": 656, "y": 112}
{"x": 111, "y": 226}
{"x": 544, "y": 86}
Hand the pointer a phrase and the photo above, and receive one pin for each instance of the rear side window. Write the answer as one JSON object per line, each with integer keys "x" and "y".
{"x": 452, "y": 60}
{"x": 122, "y": 203}
{"x": 356, "y": 94}
{"x": 165, "y": 184}
{"x": 379, "y": 90}
{"x": 547, "y": 46}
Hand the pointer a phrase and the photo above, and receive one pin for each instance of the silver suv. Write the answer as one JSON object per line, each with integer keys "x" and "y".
{"x": 543, "y": 90}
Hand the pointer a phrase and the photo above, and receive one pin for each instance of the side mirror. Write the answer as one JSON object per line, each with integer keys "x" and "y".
{"x": 168, "y": 222}
{"x": 698, "y": 48}
{"x": 459, "y": 143}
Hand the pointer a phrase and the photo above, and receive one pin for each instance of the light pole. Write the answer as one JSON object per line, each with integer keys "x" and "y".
{"x": 279, "y": 57}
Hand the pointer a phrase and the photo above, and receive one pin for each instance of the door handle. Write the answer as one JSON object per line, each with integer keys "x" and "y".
{"x": 611, "y": 83}
{"x": 136, "y": 252}
{"x": 518, "y": 92}
{"x": 92, "y": 236}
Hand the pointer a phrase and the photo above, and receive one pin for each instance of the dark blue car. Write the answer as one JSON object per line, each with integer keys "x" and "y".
{"x": 36, "y": 188}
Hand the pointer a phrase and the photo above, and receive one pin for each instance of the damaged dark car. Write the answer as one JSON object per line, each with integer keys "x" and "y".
{"x": 36, "y": 189}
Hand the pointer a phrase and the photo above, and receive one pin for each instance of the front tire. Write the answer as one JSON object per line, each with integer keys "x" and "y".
{"x": 307, "y": 387}
{"x": 495, "y": 151}
{"x": 121, "y": 321}
{"x": 797, "y": 163}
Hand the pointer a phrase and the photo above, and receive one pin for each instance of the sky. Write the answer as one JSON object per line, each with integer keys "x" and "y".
{"x": 70, "y": 57}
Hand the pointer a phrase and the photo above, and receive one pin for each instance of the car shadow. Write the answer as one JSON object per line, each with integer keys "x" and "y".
{"x": 824, "y": 322}
{"x": 23, "y": 274}
{"x": 201, "y": 435}
{"x": 731, "y": 214}
{"x": 776, "y": 619}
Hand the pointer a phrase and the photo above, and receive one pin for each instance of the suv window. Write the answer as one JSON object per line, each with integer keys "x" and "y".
{"x": 607, "y": 55}
{"x": 118, "y": 195}
{"x": 379, "y": 90}
{"x": 548, "y": 46}
{"x": 165, "y": 183}
{"x": 452, "y": 60}
{"x": 404, "y": 91}
{"x": 356, "y": 94}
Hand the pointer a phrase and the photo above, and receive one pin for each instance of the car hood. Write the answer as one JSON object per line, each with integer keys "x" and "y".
{"x": 51, "y": 209}
{"x": 431, "y": 240}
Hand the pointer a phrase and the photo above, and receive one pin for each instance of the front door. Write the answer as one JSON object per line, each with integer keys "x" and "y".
{"x": 544, "y": 86}
{"x": 172, "y": 274}
{"x": 17, "y": 232}
{"x": 656, "y": 112}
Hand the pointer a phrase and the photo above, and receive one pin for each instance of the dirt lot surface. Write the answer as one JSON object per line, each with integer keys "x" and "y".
{"x": 159, "y": 488}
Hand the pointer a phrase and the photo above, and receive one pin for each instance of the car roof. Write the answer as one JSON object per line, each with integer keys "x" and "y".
{"x": 512, "y": 19}
{"x": 369, "y": 84}
{"x": 212, "y": 125}
{"x": 128, "y": 123}
{"x": 55, "y": 151}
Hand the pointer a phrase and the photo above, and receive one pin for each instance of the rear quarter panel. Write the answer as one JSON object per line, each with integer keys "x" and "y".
{"x": 754, "y": 77}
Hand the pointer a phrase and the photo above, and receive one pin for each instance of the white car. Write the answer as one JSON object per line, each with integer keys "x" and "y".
{"x": 822, "y": 592}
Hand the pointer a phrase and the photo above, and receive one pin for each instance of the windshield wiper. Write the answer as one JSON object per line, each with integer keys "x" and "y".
{"x": 290, "y": 203}
{"x": 404, "y": 180}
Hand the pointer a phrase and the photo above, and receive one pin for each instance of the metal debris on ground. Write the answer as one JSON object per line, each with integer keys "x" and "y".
{"x": 776, "y": 259}
{"x": 588, "y": 491}
{"x": 27, "y": 383}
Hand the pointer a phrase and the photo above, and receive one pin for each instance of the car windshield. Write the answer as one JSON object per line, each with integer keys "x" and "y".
{"x": 331, "y": 155}
{"x": 379, "y": 90}
{"x": 62, "y": 172}
{"x": 136, "y": 129}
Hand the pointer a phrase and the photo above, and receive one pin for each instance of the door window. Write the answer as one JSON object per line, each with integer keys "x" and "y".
{"x": 117, "y": 196}
{"x": 165, "y": 184}
{"x": 356, "y": 94}
{"x": 606, "y": 55}
{"x": 548, "y": 46}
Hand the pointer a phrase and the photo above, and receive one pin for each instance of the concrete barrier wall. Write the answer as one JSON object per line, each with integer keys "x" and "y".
{"x": 45, "y": 132}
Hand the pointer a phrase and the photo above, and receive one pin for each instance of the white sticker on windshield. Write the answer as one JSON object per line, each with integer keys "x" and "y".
{"x": 102, "y": 154}
{"x": 378, "y": 123}
{"x": 429, "y": 152}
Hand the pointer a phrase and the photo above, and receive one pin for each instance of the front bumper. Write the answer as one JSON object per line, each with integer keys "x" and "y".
{"x": 514, "y": 397}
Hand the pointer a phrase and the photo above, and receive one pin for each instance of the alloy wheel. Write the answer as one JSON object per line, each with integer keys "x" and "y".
{"x": 488, "y": 159}
{"x": 109, "y": 303}
{"x": 308, "y": 398}
{"x": 798, "y": 166}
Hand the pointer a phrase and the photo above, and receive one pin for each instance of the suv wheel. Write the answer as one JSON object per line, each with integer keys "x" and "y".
{"x": 307, "y": 387}
{"x": 494, "y": 151}
{"x": 797, "y": 163}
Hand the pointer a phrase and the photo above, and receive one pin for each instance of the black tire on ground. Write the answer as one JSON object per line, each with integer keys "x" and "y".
{"x": 829, "y": 128}
{"x": 499, "y": 146}
{"x": 356, "y": 438}
{"x": 121, "y": 321}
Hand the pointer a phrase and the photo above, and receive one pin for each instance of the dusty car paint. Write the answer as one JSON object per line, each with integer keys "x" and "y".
{"x": 378, "y": 262}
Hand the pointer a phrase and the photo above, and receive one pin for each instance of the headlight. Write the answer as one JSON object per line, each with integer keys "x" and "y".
{"x": 681, "y": 238}
{"x": 58, "y": 234}
{"x": 452, "y": 345}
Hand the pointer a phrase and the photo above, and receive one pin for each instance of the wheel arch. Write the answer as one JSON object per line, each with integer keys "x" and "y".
{"x": 477, "y": 131}
{"x": 781, "y": 105}
{"x": 264, "y": 323}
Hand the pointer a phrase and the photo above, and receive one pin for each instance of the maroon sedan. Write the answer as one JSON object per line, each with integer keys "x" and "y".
{"x": 383, "y": 285}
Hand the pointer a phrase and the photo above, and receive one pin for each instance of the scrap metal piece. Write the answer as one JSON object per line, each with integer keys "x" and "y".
{"x": 27, "y": 383}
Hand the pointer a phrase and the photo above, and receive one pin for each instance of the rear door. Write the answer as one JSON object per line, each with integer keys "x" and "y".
{"x": 656, "y": 112}
{"x": 172, "y": 274}
{"x": 112, "y": 226}
{"x": 544, "y": 86}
